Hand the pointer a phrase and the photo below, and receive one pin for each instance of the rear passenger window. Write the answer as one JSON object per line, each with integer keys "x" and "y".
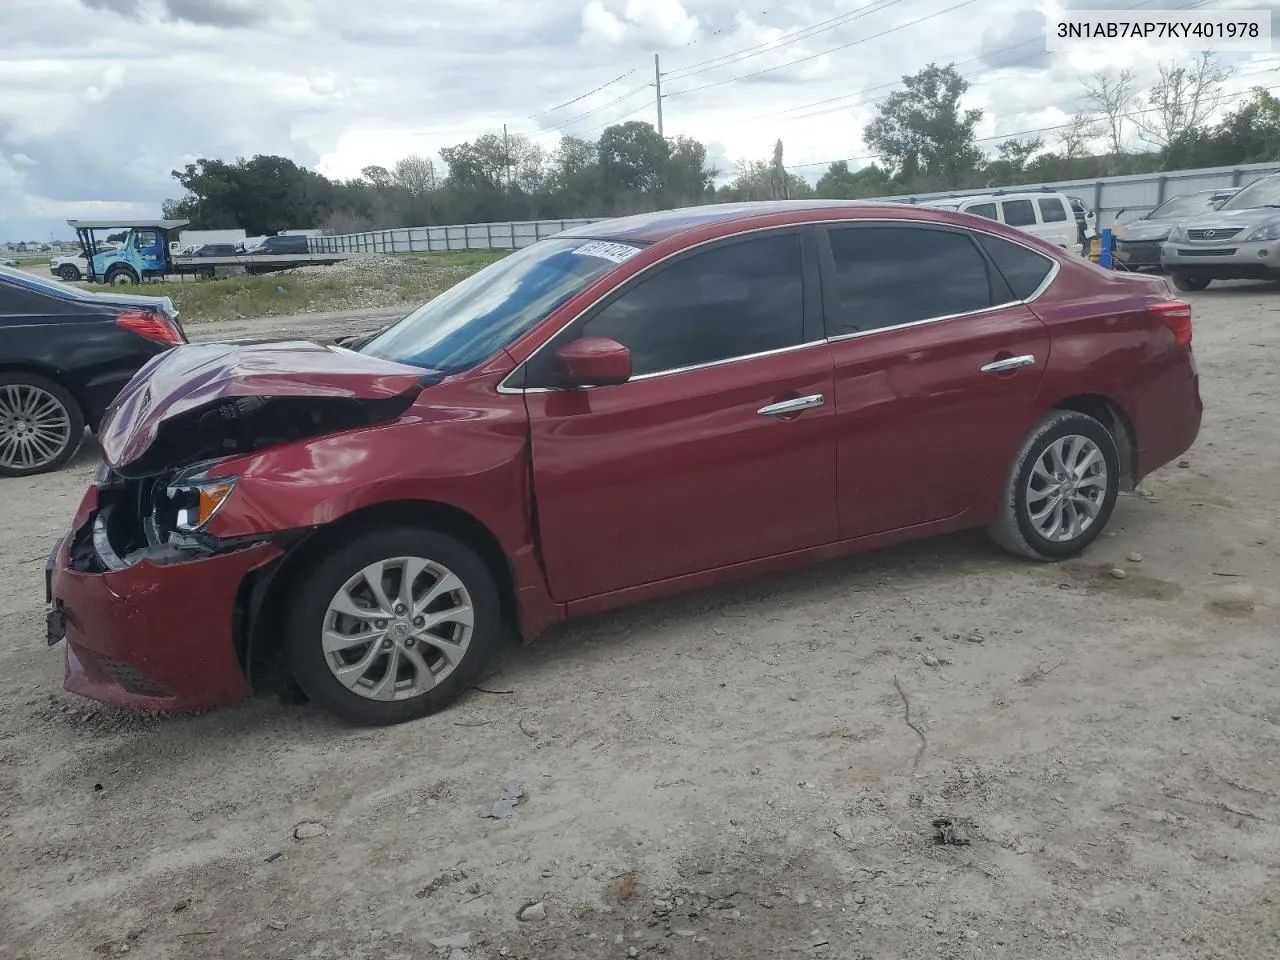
{"x": 1051, "y": 210}
{"x": 886, "y": 276}
{"x": 1023, "y": 269}
{"x": 1019, "y": 213}
{"x": 987, "y": 210}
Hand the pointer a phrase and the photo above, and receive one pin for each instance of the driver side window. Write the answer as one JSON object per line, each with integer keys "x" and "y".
{"x": 733, "y": 300}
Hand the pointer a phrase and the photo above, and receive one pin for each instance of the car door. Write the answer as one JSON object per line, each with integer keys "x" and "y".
{"x": 718, "y": 450}
{"x": 936, "y": 364}
{"x": 151, "y": 252}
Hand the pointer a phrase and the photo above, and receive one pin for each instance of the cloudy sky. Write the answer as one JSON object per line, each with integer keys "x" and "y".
{"x": 101, "y": 99}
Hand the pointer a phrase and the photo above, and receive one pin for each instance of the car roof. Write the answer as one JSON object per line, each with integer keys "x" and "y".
{"x": 652, "y": 227}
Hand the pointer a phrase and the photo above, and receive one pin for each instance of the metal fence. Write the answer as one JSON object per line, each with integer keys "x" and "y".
{"x": 464, "y": 236}
{"x": 1135, "y": 194}
{"x": 1107, "y": 196}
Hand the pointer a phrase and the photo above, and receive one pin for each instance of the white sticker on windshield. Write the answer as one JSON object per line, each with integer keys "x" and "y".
{"x": 617, "y": 252}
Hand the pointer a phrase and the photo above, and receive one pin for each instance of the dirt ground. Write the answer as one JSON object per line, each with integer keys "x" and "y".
{"x": 731, "y": 774}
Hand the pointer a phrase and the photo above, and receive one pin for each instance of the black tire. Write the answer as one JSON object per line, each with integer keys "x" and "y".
{"x": 1014, "y": 528}
{"x": 120, "y": 275}
{"x": 70, "y": 409}
{"x": 68, "y": 272}
{"x": 1190, "y": 284}
{"x": 306, "y": 620}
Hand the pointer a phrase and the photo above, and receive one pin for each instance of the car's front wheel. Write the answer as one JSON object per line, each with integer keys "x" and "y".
{"x": 69, "y": 272}
{"x": 392, "y": 626}
{"x": 1060, "y": 489}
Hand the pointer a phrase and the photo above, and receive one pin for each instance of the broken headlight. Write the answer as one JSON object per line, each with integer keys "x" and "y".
{"x": 195, "y": 498}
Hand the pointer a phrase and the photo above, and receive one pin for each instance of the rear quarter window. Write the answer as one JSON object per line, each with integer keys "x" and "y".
{"x": 1024, "y": 270}
{"x": 987, "y": 210}
{"x": 1019, "y": 213}
{"x": 1051, "y": 210}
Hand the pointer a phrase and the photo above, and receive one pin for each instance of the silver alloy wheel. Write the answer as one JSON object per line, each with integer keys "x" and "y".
{"x": 397, "y": 628}
{"x": 1067, "y": 487}
{"x": 35, "y": 427}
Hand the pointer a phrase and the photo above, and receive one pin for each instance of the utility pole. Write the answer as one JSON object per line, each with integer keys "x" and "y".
{"x": 506, "y": 159}
{"x": 657, "y": 83}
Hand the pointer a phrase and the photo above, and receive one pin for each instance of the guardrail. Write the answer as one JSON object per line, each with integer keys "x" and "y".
{"x": 507, "y": 235}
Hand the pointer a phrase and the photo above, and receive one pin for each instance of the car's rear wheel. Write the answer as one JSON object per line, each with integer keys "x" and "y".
{"x": 1061, "y": 488}
{"x": 1190, "y": 284}
{"x": 392, "y": 626}
{"x": 41, "y": 425}
{"x": 68, "y": 272}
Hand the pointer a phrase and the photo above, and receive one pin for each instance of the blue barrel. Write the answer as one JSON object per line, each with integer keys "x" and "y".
{"x": 1108, "y": 246}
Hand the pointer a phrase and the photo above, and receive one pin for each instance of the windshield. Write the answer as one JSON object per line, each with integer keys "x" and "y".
{"x": 1260, "y": 193}
{"x": 470, "y": 322}
{"x": 1185, "y": 206}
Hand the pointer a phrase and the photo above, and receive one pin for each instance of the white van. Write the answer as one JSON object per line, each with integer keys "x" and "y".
{"x": 1047, "y": 215}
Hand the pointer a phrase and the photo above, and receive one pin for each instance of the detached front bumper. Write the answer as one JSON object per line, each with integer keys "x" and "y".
{"x": 1222, "y": 259}
{"x": 154, "y": 635}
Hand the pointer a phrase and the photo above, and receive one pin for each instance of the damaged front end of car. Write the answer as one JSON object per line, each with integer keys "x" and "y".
{"x": 154, "y": 598}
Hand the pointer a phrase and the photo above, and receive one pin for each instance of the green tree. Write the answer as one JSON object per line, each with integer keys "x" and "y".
{"x": 922, "y": 135}
{"x": 633, "y": 158}
{"x": 841, "y": 183}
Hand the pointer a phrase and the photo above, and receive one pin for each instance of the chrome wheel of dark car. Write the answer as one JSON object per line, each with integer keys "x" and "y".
{"x": 397, "y": 628}
{"x": 1060, "y": 489}
{"x": 40, "y": 425}
{"x": 392, "y": 625}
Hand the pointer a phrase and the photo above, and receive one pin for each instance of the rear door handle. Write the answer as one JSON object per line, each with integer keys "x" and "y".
{"x": 1010, "y": 363}
{"x": 791, "y": 406}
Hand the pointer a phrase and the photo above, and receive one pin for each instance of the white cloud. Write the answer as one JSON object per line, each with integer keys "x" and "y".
{"x": 598, "y": 24}
{"x": 660, "y": 23}
{"x": 112, "y": 79}
{"x": 101, "y": 99}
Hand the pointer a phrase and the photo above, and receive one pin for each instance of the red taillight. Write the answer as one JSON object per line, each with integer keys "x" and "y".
{"x": 1176, "y": 315}
{"x": 153, "y": 326}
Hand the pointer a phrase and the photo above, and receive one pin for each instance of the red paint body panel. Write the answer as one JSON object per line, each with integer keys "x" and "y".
{"x": 615, "y": 494}
{"x": 132, "y": 638}
{"x": 921, "y": 432}
{"x": 1107, "y": 344}
{"x": 196, "y": 374}
{"x": 661, "y": 477}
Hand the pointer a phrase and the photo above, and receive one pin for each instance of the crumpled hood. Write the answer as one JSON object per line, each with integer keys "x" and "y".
{"x": 197, "y": 375}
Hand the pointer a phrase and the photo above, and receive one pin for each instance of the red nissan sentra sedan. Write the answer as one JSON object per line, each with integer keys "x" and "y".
{"x": 624, "y": 410}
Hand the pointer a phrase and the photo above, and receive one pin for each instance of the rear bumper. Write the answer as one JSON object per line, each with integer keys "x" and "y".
{"x": 153, "y": 635}
{"x": 1171, "y": 410}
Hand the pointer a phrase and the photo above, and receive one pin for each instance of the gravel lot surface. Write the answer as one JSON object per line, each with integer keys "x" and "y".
{"x": 729, "y": 774}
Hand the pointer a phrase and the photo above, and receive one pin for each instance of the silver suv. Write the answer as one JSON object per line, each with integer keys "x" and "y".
{"x": 1238, "y": 241}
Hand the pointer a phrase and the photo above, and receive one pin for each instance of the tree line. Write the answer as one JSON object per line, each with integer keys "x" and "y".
{"x": 922, "y": 138}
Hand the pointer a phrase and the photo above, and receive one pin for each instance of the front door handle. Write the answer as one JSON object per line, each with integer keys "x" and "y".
{"x": 791, "y": 406}
{"x": 1010, "y": 363}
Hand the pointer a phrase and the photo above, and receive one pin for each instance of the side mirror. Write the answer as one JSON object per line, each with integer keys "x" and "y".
{"x": 594, "y": 362}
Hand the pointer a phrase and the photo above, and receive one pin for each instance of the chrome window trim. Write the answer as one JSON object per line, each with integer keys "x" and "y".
{"x": 1035, "y": 295}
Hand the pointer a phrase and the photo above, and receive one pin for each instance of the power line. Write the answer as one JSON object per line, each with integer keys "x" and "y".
{"x": 786, "y": 39}
{"x": 715, "y": 62}
{"x": 621, "y": 76}
{"x": 843, "y": 46}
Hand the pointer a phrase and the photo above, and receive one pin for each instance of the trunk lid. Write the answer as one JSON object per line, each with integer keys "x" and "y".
{"x": 194, "y": 393}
